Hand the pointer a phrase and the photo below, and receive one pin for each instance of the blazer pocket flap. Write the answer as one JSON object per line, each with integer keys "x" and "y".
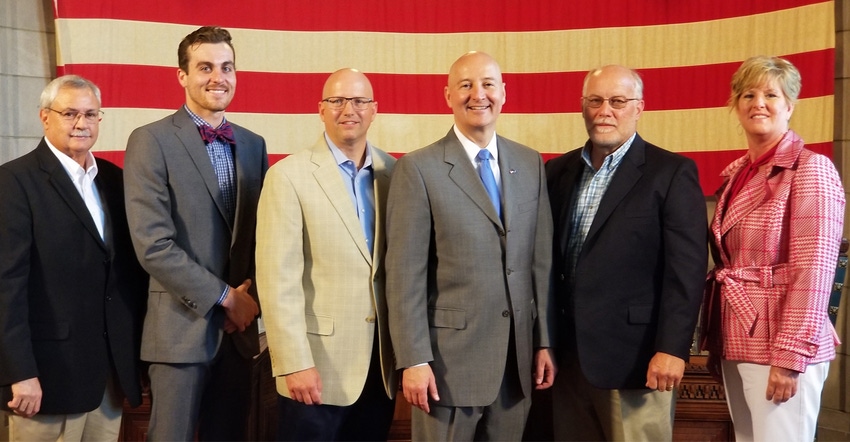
{"x": 319, "y": 325}
{"x": 447, "y": 318}
{"x": 640, "y": 314}
{"x": 55, "y": 331}
{"x": 525, "y": 206}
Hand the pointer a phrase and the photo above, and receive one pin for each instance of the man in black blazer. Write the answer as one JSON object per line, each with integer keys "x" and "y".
{"x": 72, "y": 292}
{"x": 629, "y": 262}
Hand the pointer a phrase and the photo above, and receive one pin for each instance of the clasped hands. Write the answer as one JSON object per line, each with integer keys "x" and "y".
{"x": 240, "y": 307}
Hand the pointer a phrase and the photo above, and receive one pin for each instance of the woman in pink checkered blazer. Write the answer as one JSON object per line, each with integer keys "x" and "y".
{"x": 775, "y": 236}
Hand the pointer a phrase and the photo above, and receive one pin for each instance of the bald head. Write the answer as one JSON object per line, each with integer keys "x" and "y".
{"x": 473, "y": 59}
{"x": 347, "y": 125}
{"x": 627, "y": 77}
{"x": 347, "y": 78}
{"x": 476, "y": 93}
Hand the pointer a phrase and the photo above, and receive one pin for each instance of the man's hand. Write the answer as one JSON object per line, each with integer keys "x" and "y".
{"x": 26, "y": 397}
{"x": 781, "y": 384}
{"x": 305, "y": 386}
{"x": 665, "y": 372}
{"x": 544, "y": 369}
{"x": 417, "y": 383}
{"x": 240, "y": 307}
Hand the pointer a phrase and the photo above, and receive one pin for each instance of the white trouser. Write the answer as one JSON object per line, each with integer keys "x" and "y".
{"x": 758, "y": 419}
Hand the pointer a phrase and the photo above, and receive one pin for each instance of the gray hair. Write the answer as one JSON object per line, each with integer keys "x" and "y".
{"x": 48, "y": 95}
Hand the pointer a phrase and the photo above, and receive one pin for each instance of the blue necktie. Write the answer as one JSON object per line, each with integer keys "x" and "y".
{"x": 486, "y": 174}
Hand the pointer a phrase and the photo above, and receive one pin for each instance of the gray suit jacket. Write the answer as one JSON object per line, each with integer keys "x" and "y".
{"x": 456, "y": 274}
{"x": 322, "y": 291}
{"x": 184, "y": 239}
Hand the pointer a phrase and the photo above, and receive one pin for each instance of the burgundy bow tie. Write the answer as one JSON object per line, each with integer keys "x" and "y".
{"x": 223, "y": 133}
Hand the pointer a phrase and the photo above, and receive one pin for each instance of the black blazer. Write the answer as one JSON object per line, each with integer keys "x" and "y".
{"x": 70, "y": 304}
{"x": 640, "y": 273}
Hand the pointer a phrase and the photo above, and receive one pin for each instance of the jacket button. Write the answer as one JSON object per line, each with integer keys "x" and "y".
{"x": 505, "y": 314}
{"x": 562, "y": 277}
{"x": 370, "y": 319}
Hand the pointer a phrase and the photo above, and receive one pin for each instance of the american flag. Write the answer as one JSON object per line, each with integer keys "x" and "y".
{"x": 686, "y": 51}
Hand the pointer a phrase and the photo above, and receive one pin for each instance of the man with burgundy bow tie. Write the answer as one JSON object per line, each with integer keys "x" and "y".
{"x": 192, "y": 183}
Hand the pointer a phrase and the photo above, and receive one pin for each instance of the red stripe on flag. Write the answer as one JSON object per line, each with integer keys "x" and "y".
{"x": 421, "y": 16}
{"x": 689, "y": 87}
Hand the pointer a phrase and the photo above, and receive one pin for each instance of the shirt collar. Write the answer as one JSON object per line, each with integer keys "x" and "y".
{"x": 341, "y": 158}
{"x": 200, "y": 121}
{"x": 611, "y": 161}
{"x": 72, "y": 167}
{"x": 472, "y": 149}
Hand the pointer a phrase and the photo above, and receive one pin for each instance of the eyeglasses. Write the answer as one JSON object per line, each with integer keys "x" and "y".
{"x": 358, "y": 103}
{"x": 615, "y": 102}
{"x": 72, "y": 115}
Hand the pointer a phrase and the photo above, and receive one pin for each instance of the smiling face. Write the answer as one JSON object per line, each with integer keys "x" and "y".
{"x": 210, "y": 80}
{"x": 476, "y": 94}
{"x": 764, "y": 111}
{"x": 609, "y": 128}
{"x": 73, "y": 138}
{"x": 347, "y": 127}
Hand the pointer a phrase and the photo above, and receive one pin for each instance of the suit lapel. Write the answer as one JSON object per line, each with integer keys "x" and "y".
{"x": 567, "y": 185}
{"x": 188, "y": 134}
{"x": 328, "y": 177}
{"x": 382, "y": 185}
{"x": 464, "y": 176}
{"x": 61, "y": 182}
{"x": 508, "y": 172}
{"x": 628, "y": 173}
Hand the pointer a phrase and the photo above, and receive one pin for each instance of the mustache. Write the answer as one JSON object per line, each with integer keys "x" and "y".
{"x": 81, "y": 133}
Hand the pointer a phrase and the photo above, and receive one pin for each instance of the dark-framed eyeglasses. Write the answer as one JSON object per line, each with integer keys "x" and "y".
{"x": 358, "y": 103}
{"x": 615, "y": 102}
{"x": 71, "y": 115}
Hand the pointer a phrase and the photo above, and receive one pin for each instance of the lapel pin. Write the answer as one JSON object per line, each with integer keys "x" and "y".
{"x": 512, "y": 171}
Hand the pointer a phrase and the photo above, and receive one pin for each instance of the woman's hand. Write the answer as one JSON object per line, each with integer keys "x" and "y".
{"x": 781, "y": 384}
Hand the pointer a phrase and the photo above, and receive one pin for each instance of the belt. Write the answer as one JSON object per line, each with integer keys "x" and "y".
{"x": 734, "y": 292}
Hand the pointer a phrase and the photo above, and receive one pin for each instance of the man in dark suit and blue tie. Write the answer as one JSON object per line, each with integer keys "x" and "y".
{"x": 192, "y": 182}
{"x": 468, "y": 269}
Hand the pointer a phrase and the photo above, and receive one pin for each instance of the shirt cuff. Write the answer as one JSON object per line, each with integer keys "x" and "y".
{"x": 223, "y": 295}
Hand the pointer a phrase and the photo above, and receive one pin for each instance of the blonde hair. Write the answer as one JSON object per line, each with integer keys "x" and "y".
{"x": 760, "y": 70}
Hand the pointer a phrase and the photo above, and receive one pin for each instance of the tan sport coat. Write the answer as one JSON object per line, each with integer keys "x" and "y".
{"x": 321, "y": 291}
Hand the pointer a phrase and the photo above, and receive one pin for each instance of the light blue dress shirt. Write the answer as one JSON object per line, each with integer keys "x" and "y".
{"x": 361, "y": 188}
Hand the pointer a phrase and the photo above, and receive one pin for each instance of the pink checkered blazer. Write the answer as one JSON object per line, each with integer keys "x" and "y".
{"x": 776, "y": 247}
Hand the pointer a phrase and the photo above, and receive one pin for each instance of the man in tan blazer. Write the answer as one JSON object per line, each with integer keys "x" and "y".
{"x": 320, "y": 250}
{"x": 468, "y": 270}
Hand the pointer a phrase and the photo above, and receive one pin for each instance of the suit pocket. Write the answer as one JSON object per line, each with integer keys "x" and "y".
{"x": 57, "y": 331}
{"x": 319, "y": 325}
{"x": 527, "y": 206}
{"x": 640, "y": 314}
{"x": 447, "y": 318}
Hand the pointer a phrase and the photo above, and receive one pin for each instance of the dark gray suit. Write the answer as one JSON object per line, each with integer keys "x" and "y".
{"x": 458, "y": 277}
{"x": 185, "y": 240}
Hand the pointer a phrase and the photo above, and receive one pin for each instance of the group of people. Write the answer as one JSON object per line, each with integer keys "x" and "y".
{"x": 464, "y": 276}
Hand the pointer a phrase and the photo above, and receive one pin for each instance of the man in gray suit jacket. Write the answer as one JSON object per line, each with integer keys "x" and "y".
{"x": 320, "y": 275}
{"x": 468, "y": 270}
{"x": 192, "y": 184}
